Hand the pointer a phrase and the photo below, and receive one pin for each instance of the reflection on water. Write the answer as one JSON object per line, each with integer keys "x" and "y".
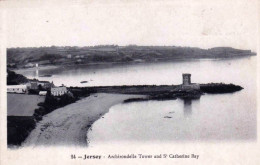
{"x": 37, "y": 73}
{"x": 187, "y": 107}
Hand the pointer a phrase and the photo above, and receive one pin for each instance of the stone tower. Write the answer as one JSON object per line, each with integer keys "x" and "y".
{"x": 186, "y": 79}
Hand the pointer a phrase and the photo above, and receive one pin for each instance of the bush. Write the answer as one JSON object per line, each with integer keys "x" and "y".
{"x": 33, "y": 91}
{"x": 51, "y": 103}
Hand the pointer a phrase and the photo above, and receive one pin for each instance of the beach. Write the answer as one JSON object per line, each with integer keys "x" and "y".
{"x": 69, "y": 125}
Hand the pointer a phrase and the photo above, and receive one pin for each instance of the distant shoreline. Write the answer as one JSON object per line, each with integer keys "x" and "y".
{"x": 112, "y": 54}
{"x": 47, "y": 67}
{"x": 44, "y": 67}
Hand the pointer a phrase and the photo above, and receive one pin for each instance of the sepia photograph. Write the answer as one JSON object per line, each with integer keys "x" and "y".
{"x": 85, "y": 74}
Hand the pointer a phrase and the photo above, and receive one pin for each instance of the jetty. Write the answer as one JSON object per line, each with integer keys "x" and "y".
{"x": 165, "y": 92}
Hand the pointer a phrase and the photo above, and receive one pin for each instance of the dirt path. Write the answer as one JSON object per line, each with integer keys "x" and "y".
{"x": 69, "y": 125}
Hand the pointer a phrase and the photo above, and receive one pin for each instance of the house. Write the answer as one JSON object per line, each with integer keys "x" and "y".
{"x": 79, "y": 60}
{"x": 45, "y": 84}
{"x": 58, "y": 91}
{"x": 29, "y": 65}
{"x": 32, "y": 84}
{"x": 35, "y": 84}
{"x": 78, "y": 56}
{"x": 69, "y": 56}
{"x": 43, "y": 93}
{"x": 16, "y": 88}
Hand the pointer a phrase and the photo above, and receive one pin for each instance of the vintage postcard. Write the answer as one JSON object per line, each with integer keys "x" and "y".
{"x": 129, "y": 82}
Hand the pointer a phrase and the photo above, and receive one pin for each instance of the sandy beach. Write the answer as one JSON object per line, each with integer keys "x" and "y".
{"x": 69, "y": 125}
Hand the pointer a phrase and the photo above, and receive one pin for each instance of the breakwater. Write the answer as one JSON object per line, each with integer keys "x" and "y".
{"x": 161, "y": 92}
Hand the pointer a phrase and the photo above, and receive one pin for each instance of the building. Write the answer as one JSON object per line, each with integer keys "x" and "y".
{"x": 43, "y": 93}
{"x": 45, "y": 84}
{"x": 35, "y": 84}
{"x": 58, "y": 91}
{"x": 16, "y": 88}
{"x": 69, "y": 56}
{"x": 79, "y": 60}
{"x": 186, "y": 83}
{"x": 32, "y": 84}
{"x": 29, "y": 65}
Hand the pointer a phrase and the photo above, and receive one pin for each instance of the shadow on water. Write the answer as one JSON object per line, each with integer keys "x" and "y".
{"x": 187, "y": 109}
{"x": 187, "y": 106}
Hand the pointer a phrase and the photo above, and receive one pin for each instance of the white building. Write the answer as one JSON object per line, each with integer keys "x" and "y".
{"x": 29, "y": 65}
{"x": 58, "y": 91}
{"x": 69, "y": 56}
{"x": 16, "y": 88}
{"x": 43, "y": 93}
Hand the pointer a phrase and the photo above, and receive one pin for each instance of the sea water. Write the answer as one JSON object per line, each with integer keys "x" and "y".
{"x": 213, "y": 117}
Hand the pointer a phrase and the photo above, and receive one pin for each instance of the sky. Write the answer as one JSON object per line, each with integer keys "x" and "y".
{"x": 200, "y": 23}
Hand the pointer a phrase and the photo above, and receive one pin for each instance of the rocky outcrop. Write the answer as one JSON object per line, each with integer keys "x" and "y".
{"x": 219, "y": 88}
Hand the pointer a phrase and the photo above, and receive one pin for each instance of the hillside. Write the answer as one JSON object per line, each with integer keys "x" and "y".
{"x": 114, "y": 54}
{"x": 15, "y": 79}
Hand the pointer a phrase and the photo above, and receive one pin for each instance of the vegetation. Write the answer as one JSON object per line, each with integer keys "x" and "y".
{"x": 15, "y": 79}
{"x": 19, "y": 127}
{"x": 219, "y": 88}
{"x": 114, "y": 54}
{"x": 165, "y": 92}
{"x": 51, "y": 103}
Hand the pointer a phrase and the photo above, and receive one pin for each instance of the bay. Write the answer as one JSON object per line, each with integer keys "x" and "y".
{"x": 218, "y": 117}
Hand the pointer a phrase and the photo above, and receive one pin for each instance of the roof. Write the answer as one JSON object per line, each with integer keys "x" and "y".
{"x": 58, "y": 89}
{"x": 33, "y": 80}
{"x": 39, "y": 81}
{"x": 16, "y": 86}
{"x": 43, "y": 81}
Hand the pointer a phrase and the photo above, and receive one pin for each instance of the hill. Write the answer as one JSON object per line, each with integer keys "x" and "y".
{"x": 21, "y": 57}
{"x": 15, "y": 79}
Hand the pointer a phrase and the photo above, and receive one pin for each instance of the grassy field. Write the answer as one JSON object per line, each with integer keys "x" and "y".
{"x": 22, "y": 104}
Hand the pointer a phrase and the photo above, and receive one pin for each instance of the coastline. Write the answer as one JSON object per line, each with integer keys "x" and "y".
{"x": 99, "y": 64}
{"x": 40, "y": 68}
{"x": 69, "y": 125}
